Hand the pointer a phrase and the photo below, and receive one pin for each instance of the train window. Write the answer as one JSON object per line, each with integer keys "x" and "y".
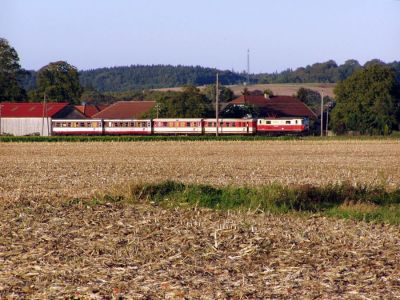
{"x": 268, "y": 122}
{"x": 296, "y": 121}
{"x": 288, "y": 122}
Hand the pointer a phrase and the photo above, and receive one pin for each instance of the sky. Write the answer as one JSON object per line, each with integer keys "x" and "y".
{"x": 280, "y": 34}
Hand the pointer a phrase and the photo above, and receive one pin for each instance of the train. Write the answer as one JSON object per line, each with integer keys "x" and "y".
{"x": 181, "y": 126}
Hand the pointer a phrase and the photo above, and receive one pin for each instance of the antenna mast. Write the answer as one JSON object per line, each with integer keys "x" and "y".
{"x": 248, "y": 66}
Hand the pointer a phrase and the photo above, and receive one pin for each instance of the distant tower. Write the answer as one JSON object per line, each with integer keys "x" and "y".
{"x": 248, "y": 66}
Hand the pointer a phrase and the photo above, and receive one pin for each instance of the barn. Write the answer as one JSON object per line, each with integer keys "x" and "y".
{"x": 126, "y": 110}
{"x": 30, "y": 118}
{"x": 275, "y": 106}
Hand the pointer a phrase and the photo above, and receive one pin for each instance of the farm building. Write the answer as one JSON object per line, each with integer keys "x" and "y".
{"x": 33, "y": 118}
{"x": 275, "y": 106}
{"x": 88, "y": 110}
{"x": 126, "y": 110}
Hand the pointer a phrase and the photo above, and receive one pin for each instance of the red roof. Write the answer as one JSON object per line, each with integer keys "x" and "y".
{"x": 30, "y": 110}
{"x": 126, "y": 110}
{"x": 277, "y": 106}
{"x": 89, "y": 109}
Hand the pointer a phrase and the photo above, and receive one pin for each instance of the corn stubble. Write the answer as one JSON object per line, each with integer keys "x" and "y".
{"x": 49, "y": 248}
{"x": 58, "y": 170}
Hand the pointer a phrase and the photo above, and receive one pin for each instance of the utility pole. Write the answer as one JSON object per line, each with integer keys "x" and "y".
{"x": 44, "y": 104}
{"x": 327, "y": 119}
{"x": 322, "y": 113}
{"x": 216, "y": 105}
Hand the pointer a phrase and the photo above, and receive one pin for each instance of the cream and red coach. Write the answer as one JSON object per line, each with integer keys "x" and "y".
{"x": 178, "y": 126}
{"x": 77, "y": 127}
{"x": 230, "y": 126}
{"x": 127, "y": 127}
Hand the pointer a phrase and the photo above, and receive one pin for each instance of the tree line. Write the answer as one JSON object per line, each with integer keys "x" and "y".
{"x": 326, "y": 72}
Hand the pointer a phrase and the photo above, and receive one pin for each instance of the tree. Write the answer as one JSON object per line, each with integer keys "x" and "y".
{"x": 310, "y": 97}
{"x": 225, "y": 94}
{"x": 368, "y": 101}
{"x": 189, "y": 103}
{"x": 240, "y": 111}
{"x": 268, "y": 92}
{"x": 60, "y": 82}
{"x": 10, "y": 71}
{"x": 348, "y": 68}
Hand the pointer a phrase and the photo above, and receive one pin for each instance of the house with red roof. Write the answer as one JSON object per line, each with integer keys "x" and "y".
{"x": 126, "y": 110}
{"x": 275, "y": 106}
{"x": 88, "y": 110}
{"x": 29, "y": 118}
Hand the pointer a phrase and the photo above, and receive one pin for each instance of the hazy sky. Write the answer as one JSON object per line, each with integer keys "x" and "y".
{"x": 214, "y": 33}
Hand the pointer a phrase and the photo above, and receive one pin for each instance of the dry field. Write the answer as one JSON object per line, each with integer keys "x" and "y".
{"x": 50, "y": 249}
{"x": 54, "y": 170}
{"x": 278, "y": 89}
{"x": 143, "y": 252}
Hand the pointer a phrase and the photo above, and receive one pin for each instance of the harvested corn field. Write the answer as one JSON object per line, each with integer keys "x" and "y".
{"x": 148, "y": 252}
{"x": 54, "y": 245}
{"x": 58, "y": 170}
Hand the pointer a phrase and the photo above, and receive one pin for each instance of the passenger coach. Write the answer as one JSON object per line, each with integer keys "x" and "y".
{"x": 77, "y": 127}
{"x": 177, "y": 126}
{"x": 230, "y": 126}
{"x": 127, "y": 127}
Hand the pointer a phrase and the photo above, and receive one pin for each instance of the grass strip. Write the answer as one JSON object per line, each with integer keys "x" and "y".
{"x": 344, "y": 200}
{"x": 10, "y": 139}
